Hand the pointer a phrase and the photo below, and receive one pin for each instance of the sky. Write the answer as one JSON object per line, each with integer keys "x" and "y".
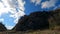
{"x": 12, "y": 10}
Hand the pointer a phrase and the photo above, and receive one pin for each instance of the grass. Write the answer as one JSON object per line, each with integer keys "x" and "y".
{"x": 56, "y": 30}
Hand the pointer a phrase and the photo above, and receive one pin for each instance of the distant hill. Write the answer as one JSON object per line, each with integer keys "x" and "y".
{"x": 38, "y": 20}
{"x": 2, "y": 27}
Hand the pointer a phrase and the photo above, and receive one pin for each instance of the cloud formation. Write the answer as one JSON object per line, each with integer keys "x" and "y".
{"x": 1, "y": 20}
{"x": 48, "y": 4}
{"x": 20, "y": 10}
{"x": 3, "y": 8}
{"x": 45, "y": 4}
{"x": 14, "y": 7}
{"x": 9, "y": 27}
{"x": 37, "y": 2}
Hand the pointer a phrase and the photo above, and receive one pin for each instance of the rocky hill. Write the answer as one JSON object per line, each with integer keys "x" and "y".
{"x": 2, "y": 27}
{"x": 38, "y": 20}
{"x": 34, "y": 21}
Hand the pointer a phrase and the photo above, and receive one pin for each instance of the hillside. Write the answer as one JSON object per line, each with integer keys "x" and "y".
{"x": 2, "y": 27}
{"x": 40, "y": 20}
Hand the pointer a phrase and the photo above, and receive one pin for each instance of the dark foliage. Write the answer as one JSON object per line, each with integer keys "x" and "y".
{"x": 34, "y": 21}
{"x": 2, "y": 27}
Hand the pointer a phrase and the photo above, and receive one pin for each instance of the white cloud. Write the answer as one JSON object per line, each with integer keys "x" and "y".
{"x": 48, "y": 4}
{"x": 20, "y": 12}
{"x": 37, "y": 2}
{"x": 9, "y": 6}
{"x": 17, "y": 16}
{"x": 1, "y": 19}
{"x": 33, "y": 1}
{"x": 3, "y": 8}
{"x": 9, "y": 27}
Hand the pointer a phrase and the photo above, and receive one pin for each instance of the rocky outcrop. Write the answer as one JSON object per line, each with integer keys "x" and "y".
{"x": 38, "y": 20}
{"x": 34, "y": 21}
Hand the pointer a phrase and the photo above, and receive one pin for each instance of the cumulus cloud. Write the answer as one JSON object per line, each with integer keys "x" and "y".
{"x": 14, "y": 7}
{"x": 48, "y": 4}
{"x": 3, "y": 8}
{"x": 37, "y": 2}
{"x": 20, "y": 10}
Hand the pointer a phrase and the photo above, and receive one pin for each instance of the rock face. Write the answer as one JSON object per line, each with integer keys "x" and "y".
{"x": 34, "y": 21}
{"x": 2, "y": 27}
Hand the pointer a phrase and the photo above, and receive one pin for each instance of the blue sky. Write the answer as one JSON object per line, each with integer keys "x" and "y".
{"x": 31, "y": 7}
{"x": 12, "y": 10}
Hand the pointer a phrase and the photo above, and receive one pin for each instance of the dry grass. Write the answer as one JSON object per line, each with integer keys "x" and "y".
{"x": 35, "y": 32}
{"x": 56, "y": 30}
